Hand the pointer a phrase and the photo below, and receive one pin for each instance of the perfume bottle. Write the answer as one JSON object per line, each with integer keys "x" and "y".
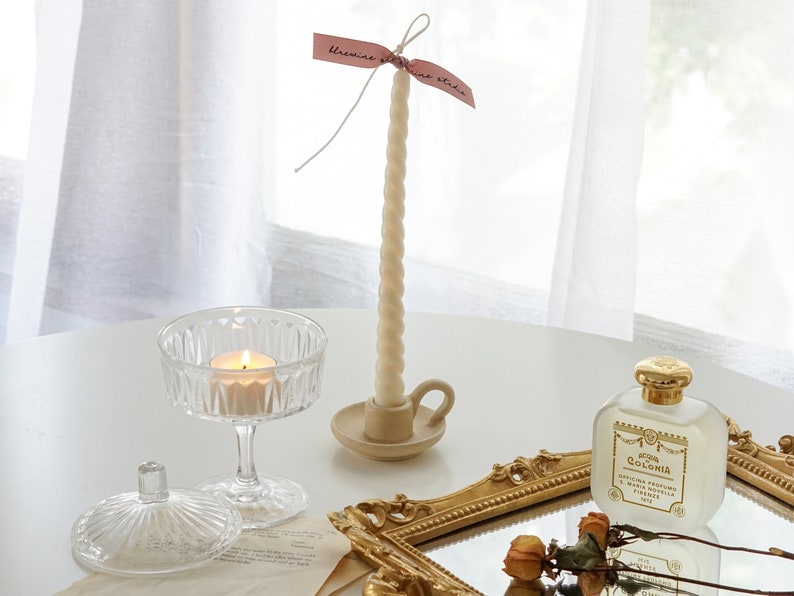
{"x": 659, "y": 457}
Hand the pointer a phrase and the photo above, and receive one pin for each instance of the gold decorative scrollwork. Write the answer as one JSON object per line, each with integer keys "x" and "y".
{"x": 384, "y": 533}
{"x": 762, "y": 466}
{"x": 523, "y": 469}
{"x": 400, "y": 510}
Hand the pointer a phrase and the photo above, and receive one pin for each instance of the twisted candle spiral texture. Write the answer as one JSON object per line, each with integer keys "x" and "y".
{"x": 389, "y": 385}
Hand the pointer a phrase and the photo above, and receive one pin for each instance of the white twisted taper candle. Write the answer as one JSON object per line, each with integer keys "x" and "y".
{"x": 389, "y": 366}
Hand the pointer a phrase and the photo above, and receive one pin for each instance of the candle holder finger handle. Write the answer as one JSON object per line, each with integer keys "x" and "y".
{"x": 395, "y": 424}
{"x": 424, "y": 388}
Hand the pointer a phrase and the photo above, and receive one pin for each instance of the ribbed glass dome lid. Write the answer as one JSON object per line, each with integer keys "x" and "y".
{"x": 155, "y": 530}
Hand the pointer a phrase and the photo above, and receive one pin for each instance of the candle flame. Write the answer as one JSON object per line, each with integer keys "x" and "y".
{"x": 245, "y": 359}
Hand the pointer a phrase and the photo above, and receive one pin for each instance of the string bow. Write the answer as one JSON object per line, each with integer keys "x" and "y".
{"x": 365, "y": 54}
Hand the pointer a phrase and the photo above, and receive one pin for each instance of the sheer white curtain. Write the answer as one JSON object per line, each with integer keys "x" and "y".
{"x": 625, "y": 172}
{"x": 714, "y": 201}
{"x": 143, "y": 184}
{"x": 594, "y": 281}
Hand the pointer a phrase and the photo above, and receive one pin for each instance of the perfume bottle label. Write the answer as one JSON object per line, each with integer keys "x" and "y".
{"x": 648, "y": 468}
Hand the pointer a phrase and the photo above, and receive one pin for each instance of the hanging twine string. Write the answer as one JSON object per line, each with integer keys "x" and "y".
{"x": 370, "y": 55}
{"x": 397, "y": 51}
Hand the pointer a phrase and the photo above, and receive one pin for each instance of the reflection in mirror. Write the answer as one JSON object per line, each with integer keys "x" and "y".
{"x": 747, "y": 517}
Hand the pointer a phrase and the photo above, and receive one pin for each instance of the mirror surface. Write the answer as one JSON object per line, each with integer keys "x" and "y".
{"x": 746, "y": 518}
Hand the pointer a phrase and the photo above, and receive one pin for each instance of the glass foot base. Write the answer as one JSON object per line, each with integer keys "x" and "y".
{"x": 272, "y": 501}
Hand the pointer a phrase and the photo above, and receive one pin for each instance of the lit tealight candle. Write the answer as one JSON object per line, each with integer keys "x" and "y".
{"x": 242, "y": 360}
{"x": 239, "y": 384}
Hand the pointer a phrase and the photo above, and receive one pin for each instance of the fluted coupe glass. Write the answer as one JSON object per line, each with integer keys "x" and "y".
{"x": 244, "y": 366}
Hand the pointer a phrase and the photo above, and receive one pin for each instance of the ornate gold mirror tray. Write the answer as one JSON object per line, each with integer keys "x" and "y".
{"x": 456, "y": 544}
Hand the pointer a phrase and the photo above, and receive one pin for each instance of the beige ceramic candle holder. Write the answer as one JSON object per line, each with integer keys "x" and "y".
{"x": 390, "y": 433}
{"x": 391, "y": 426}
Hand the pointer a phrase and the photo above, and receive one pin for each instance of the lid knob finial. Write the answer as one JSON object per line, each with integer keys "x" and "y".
{"x": 152, "y": 482}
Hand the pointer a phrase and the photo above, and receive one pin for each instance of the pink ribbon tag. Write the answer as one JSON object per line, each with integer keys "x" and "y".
{"x": 364, "y": 54}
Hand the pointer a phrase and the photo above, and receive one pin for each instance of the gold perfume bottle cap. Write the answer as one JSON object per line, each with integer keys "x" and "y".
{"x": 663, "y": 379}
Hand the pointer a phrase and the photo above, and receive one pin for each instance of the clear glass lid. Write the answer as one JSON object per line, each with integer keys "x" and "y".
{"x": 155, "y": 530}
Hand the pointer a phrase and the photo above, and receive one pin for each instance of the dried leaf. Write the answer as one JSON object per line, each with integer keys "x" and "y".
{"x": 585, "y": 555}
{"x": 644, "y": 534}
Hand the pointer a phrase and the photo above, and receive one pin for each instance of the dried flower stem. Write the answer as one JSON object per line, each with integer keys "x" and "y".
{"x": 638, "y": 534}
{"x": 773, "y": 551}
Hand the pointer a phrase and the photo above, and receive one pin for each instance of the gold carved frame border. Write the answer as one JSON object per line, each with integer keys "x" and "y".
{"x": 384, "y": 533}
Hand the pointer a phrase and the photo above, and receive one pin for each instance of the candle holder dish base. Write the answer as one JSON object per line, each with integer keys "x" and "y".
{"x": 347, "y": 425}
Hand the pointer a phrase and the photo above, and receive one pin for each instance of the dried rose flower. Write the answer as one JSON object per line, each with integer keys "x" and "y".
{"x": 524, "y": 560}
{"x": 591, "y": 583}
{"x": 597, "y": 524}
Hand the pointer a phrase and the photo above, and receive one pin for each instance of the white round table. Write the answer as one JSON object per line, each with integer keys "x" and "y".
{"x": 79, "y": 411}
